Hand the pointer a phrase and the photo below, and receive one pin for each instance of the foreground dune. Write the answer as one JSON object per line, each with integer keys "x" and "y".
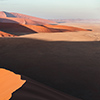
{"x": 9, "y": 82}
{"x": 68, "y": 62}
{"x": 33, "y": 90}
{"x": 71, "y": 67}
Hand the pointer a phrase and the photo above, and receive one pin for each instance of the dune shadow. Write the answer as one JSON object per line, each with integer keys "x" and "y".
{"x": 13, "y": 27}
{"x": 71, "y": 67}
{"x": 4, "y": 20}
{"x": 9, "y": 14}
{"x": 56, "y": 30}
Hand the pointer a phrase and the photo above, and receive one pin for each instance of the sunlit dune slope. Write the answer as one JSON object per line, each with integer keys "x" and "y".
{"x": 9, "y": 82}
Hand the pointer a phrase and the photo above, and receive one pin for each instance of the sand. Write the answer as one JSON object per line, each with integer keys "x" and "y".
{"x": 22, "y": 29}
{"x": 17, "y": 16}
{"x": 66, "y": 61}
{"x": 9, "y": 83}
{"x": 4, "y": 34}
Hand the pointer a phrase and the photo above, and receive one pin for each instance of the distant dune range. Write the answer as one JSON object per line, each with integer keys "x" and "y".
{"x": 21, "y": 17}
{"x": 20, "y": 24}
{"x": 76, "y": 20}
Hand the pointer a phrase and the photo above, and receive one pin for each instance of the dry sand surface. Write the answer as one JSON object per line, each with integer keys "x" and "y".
{"x": 66, "y": 61}
{"x": 93, "y": 35}
{"x": 9, "y": 82}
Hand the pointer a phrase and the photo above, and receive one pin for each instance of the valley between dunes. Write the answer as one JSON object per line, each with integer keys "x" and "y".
{"x": 65, "y": 62}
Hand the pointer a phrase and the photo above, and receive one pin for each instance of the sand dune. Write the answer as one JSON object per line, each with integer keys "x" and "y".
{"x": 68, "y": 28}
{"x": 71, "y": 67}
{"x": 68, "y": 62}
{"x": 33, "y": 90}
{"x": 4, "y": 34}
{"x": 9, "y": 82}
{"x": 22, "y": 29}
{"x": 20, "y": 21}
{"x": 33, "y": 19}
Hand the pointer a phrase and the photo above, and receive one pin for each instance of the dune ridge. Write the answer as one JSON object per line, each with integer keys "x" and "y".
{"x": 27, "y": 18}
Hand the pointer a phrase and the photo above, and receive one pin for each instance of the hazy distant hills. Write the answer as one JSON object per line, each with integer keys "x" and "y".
{"x": 76, "y": 20}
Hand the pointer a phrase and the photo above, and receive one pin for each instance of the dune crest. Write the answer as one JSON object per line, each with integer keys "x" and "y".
{"x": 9, "y": 82}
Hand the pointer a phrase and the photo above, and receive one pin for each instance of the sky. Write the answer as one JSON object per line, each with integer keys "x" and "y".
{"x": 54, "y": 9}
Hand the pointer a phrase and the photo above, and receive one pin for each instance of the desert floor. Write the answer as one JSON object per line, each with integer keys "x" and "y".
{"x": 66, "y": 61}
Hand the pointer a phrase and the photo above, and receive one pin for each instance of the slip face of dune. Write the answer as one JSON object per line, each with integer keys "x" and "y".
{"x": 4, "y": 34}
{"x": 20, "y": 21}
{"x": 9, "y": 82}
{"x": 33, "y": 90}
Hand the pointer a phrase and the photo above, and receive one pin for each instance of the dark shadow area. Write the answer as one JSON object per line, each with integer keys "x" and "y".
{"x": 8, "y": 14}
{"x": 33, "y": 90}
{"x": 55, "y": 29}
{"x": 4, "y": 20}
{"x": 15, "y": 28}
{"x": 71, "y": 67}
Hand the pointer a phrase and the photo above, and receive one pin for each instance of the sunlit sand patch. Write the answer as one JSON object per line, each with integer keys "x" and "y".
{"x": 9, "y": 83}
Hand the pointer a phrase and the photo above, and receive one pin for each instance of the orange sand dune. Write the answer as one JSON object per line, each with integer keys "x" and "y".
{"x": 9, "y": 82}
{"x": 4, "y": 34}
{"x": 15, "y": 28}
{"x": 21, "y": 29}
{"x": 17, "y": 15}
{"x": 68, "y": 28}
{"x": 20, "y": 21}
{"x": 31, "y": 90}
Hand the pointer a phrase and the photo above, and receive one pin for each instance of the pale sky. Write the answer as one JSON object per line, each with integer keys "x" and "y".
{"x": 54, "y": 9}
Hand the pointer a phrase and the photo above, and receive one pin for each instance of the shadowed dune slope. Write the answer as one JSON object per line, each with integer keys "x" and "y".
{"x": 68, "y": 28}
{"x": 4, "y": 34}
{"x": 20, "y": 21}
{"x": 17, "y": 15}
{"x": 14, "y": 28}
{"x": 71, "y": 67}
{"x": 33, "y": 90}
